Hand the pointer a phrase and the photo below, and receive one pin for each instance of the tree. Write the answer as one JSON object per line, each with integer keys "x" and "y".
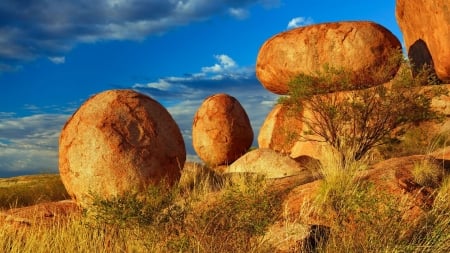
{"x": 353, "y": 122}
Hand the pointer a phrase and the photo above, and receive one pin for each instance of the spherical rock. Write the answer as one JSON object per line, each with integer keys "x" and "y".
{"x": 359, "y": 47}
{"x": 221, "y": 130}
{"x": 119, "y": 141}
{"x": 425, "y": 25}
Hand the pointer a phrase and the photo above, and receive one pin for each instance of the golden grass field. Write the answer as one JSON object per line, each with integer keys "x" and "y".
{"x": 207, "y": 212}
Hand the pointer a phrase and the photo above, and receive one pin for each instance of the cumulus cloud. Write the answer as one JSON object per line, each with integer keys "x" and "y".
{"x": 224, "y": 63}
{"x": 31, "y": 29}
{"x": 299, "y": 21}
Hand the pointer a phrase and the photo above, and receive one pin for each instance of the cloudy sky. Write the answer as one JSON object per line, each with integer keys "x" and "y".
{"x": 54, "y": 54}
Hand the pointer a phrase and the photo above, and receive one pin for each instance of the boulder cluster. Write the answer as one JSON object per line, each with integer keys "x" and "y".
{"x": 121, "y": 140}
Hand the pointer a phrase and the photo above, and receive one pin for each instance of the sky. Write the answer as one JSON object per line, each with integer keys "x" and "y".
{"x": 55, "y": 54}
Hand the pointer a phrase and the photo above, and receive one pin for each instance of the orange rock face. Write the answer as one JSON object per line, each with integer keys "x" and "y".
{"x": 221, "y": 130}
{"x": 119, "y": 141}
{"x": 355, "y": 46}
{"x": 281, "y": 129}
{"x": 284, "y": 130}
{"x": 425, "y": 25}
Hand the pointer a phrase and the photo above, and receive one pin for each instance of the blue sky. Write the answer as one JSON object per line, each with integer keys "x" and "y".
{"x": 54, "y": 54}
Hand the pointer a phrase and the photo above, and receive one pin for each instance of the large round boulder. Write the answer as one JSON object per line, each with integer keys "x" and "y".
{"x": 358, "y": 47}
{"x": 119, "y": 141}
{"x": 425, "y": 25}
{"x": 221, "y": 130}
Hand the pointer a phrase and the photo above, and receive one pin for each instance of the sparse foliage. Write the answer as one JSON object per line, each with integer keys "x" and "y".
{"x": 358, "y": 118}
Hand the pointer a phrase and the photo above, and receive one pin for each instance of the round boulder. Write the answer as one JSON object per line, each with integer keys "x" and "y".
{"x": 358, "y": 47}
{"x": 119, "y": 141}
{"x": 221, "y": 130}
{"x": 425, "y": 25}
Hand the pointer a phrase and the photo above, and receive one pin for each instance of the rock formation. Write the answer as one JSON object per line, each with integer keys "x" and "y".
{"x": 221, "y": 130}
{"x": 425, "y": 25}
{"x": 273, "y": 165}
{"x": 361, "y": 47}
{"x": 285, "y": 129}
{"x": 119, "y": 141}
{"x": 281, "y": 129}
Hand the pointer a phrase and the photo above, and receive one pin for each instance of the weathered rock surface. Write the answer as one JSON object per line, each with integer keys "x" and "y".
{"x": 281, "y": 129}
{"x": 284, "y": 130}
{"x": 393, "y": 180}
{"x": 288, "y": 237}
{"x": 221, "y": 130}
{"x": 357, "y": 46}
{"x": 425, "y": 25}
{"x": 272, "y": 164}
{"x": 119, "y": 141}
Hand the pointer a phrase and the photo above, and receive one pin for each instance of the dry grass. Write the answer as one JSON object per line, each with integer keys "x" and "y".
{"x": 28, "y": 190}
{"x": 209, "y": 213}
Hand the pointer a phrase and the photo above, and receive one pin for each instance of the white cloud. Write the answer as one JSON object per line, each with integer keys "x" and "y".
{"x": 160, "y": 85}
{"x": 238, "y": 13}
{"x": 58, "y": 59}
{"x": 225, "y": 63}
{"x": 30, "y": 143}
{"x": 299, "y": 21}
{"x": 61, "y": 25}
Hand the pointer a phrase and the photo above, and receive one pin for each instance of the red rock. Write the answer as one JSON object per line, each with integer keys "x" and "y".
{"x": 119, "y": 141}
{"x": 425, "y": 25}
{"x": 284, "y": 130}
{"x": 393, "y": 183}
{"x": 357, "y": 46}
{"x": 221, "y": 130}
{"x": 281, "y": 129}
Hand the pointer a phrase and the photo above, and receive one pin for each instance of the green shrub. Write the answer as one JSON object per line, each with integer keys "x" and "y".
{"x": 356, "y": 121}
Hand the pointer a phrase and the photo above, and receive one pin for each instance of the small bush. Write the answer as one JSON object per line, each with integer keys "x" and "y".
{"x": 241, "y": 214}
{"x": 361, "y": 217}
{"x": 356, "y": 121}
{"x": 428, "y": 173}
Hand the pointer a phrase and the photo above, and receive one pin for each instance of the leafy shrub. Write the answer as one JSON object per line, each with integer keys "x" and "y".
{"x": 355, "y": 121}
